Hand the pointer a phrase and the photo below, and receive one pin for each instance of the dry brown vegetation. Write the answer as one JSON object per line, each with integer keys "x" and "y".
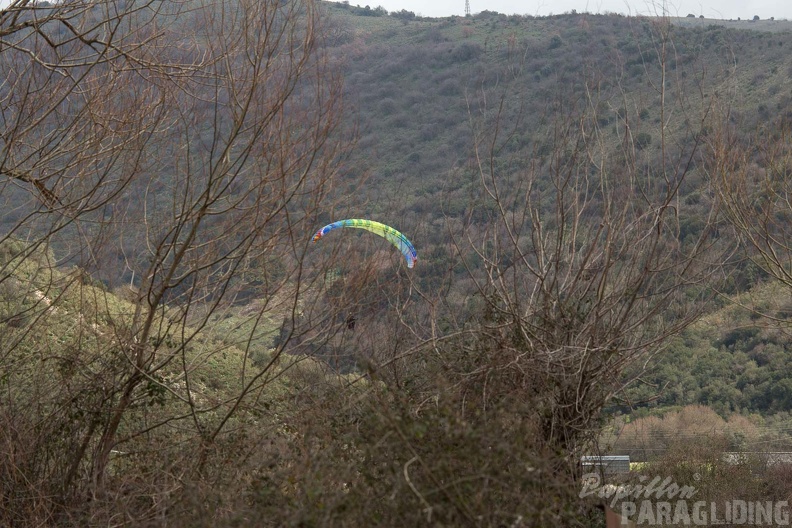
{"x": 182, "y": 154}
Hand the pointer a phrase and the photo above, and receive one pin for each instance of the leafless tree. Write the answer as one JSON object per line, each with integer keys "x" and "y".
{"x": 581, "y": 266}
{"x": 751, "y": 176}
{"x": 182, "y": 147}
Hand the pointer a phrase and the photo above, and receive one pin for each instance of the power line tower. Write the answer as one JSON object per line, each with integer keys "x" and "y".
{"x": 467, "y": 7}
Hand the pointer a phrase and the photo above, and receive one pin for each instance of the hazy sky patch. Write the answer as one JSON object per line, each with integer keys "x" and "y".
{"x": 722, "y": 9}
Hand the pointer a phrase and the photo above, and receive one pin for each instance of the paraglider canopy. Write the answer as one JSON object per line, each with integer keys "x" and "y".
{"x": 390, "y": 234}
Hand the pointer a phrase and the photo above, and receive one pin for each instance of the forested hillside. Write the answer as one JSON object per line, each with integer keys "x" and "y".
{"x": 598, "y": 205}
{"x": 420, "y": 87}
{"x": 423, "y": 87}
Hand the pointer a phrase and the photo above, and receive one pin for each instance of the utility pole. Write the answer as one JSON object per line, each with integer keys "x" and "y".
{"x": 467, "y": 7}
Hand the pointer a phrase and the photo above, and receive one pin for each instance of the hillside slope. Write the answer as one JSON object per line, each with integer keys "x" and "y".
{"x": 427, "y": 93}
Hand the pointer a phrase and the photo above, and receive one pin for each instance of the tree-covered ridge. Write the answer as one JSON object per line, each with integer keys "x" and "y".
{"x": 422, "y": 89}
{"x": 416, "y": 84}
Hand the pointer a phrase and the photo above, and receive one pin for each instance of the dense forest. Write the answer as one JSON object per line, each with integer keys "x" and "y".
{"x": 599, "y": 205}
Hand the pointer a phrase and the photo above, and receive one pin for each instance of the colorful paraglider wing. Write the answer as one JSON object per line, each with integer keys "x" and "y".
{"x": 404, "y": 245}
{"x": 391, "y": 235}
